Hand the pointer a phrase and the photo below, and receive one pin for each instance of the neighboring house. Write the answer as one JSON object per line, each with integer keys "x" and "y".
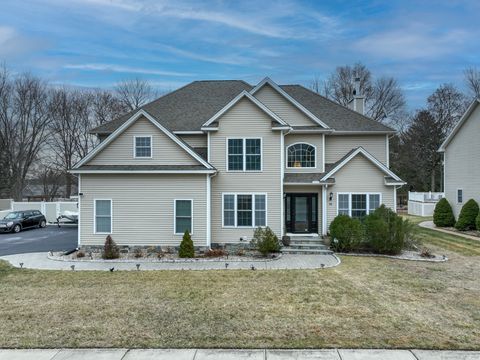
{"x": 461, "y": 160}
{"x": 219, "y": 158}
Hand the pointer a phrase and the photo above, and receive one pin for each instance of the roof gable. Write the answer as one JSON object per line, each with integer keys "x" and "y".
{"x": 460, "y": 123}
{"x": 142, "y": 114}
{"x": 244, "y": 95}
{"x": 291, "y": 100}
{"x": 351, "y": 155}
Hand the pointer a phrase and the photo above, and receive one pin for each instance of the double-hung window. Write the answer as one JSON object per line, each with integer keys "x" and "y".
{"x": 244, "y": 210}
{"x": 183, "y": 216}
{"x": 358, "y": 205}
{"x": 103, "y": 216}
{"x": 143, "y": 146}
{"x": 244, "y": 154}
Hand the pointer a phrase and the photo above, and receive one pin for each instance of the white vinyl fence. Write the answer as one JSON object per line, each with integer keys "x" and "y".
{"x": 51, "y": 210}
{"x": 423, "y": 203}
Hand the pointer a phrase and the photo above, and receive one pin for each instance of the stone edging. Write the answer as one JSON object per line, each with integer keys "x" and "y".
{"x": 396, "y": 257}
{"x": 165, "y": 261}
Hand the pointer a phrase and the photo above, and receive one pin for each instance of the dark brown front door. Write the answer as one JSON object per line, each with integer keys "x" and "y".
{"x": 301, "y": 212}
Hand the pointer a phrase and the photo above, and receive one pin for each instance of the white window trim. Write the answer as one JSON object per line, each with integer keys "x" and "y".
{"x": 175, "y": 215}
{"x": 253, "y": 226}
{"x": 357, "y": 193}
{"x": 95, "y": 217}
{"x": 463, "y": 196}
{"x": 244, "y": 151}
{"x": 297, "y": 143}
{"x": 135, "y": 147}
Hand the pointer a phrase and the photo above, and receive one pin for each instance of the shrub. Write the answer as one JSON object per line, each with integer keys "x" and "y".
{"x": 468, "y": 215}
{"x": 385, "y": 231}
{"x": 477, "y": 222}
{"x": 110, "y": 249}
{"x": 215, "y": 253}
{"x": 346, "y": 233}
{"x": 426, "y": 253}
{"x": 138, "y": 253}
{"x": 186, "y": 246}
{"x": 80, "y": 254}
{"x": 443, "y": 214}
{"x": 265, "y": 241}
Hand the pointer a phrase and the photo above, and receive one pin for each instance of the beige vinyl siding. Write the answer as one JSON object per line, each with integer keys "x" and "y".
{"x": 195, "y": 140}
{"x": 462, "y": 170}
{"x": 312, "y": 139}
{"x": 336, "y": 146}
{"x": 359, "y": 175}
{"x": 143, "y": 207}
{"x": 282, "y": 107}
{"x": 309, "y": 189}
{"x": 164, "y": 150}
{"x": 245, "y": 120}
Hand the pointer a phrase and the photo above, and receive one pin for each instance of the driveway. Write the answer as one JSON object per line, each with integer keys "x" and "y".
{"x": 39, "y": 240}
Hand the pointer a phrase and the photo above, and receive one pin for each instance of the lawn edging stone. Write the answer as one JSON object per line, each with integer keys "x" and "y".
{"x": 410, "y": 256}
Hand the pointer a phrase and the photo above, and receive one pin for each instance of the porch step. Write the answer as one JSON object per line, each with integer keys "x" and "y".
{"x": 290, "y": 250}
{"x": 308, "y": 245}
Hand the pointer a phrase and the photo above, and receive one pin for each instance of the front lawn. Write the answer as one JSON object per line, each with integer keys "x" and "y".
{"x": 363, "y": 303}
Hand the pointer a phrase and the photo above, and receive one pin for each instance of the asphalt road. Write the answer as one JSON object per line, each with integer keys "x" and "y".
{"x": 39, "y": 240}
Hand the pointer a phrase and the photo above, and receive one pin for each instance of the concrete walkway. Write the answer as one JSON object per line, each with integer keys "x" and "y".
{"x": 260, "y": 354}
{"x": 40, "y": 261}
{"x": 431, "y": 225}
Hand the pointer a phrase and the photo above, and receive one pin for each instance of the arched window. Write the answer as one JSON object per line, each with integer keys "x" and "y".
{"x": 301, "y": 156}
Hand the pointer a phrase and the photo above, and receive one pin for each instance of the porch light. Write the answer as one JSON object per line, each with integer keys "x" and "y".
{"x": 330, "y": 198}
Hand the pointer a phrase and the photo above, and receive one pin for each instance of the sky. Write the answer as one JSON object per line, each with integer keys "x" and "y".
{"x": 96, "y": 43}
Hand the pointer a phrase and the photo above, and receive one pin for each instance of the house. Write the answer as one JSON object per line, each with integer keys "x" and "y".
{"x": 220, "y": 158}
{"x": 461, "y": 151}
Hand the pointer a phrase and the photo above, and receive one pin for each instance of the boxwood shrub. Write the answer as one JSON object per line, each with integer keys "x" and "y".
{"x": 443, "y": 214}
{"x": 346, "y": 234}
{"x": 468, "y": 215}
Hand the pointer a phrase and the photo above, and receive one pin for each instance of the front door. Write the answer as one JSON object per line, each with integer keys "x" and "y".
{"x": 301, "y": 213}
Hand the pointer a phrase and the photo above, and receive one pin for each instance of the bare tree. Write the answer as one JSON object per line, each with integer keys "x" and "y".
{"x": 134, "y": 93}
{"x": 50, "y": 178}
{"x": 472, "y": 78}
{"x": 24, "y": 119}
{"x": 106, "y": 107}
{"x": 384, "y": 100}
{"x": 447, "y": 104}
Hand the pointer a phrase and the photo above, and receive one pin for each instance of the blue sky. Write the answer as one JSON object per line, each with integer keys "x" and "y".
{"x": 95, "y": 43}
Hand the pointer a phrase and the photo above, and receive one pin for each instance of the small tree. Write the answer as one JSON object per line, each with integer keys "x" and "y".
{"x": 186, "y": 246}
{"x": 110, "y": 249}
{"x": 477, "y": 222}
{"x": 265, "y": 241}
{"x": 468, "y": 215}
{"x": 443, "y": 214}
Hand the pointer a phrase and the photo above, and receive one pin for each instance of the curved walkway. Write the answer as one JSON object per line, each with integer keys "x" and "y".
{"x": 41, "y": 261}
{"x": 431, "y": 225}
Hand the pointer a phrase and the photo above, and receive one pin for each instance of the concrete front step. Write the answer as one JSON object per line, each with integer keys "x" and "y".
{"x": 290, "y": 250}
{"x": 308, "y": 245}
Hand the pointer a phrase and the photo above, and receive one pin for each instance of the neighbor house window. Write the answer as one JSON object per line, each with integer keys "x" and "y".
{"x": 143, "y": 146}
{"x": 301, "y": 156}
{"x": 244, "y": 154}
{"x": 183, "y": 216}
{"x": 357, "y": 205}
{"x": 244, "y": 210}
{"x": 103, "y": 216}
{"x": 460, "y": 196}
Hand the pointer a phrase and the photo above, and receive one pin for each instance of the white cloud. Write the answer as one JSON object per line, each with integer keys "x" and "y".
{"x": 13, "y": 44}
{"x": 412, "y": 43}
{"x": 218, "y": 59}
{"x": 123, "y": 69}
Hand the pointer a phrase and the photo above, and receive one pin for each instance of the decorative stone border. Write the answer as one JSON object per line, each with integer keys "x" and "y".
{"x": 403, "y": 256}
{"x": 52, "y": 256}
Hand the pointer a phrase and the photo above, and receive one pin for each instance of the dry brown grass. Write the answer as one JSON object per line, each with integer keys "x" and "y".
{"x": 363, "y": 303}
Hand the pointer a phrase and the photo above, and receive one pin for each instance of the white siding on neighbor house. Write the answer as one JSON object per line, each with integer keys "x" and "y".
{"x": 195, "y": 140}
{"x": 312, "y": 139}
{"x": 143, "y": 207}
{"x": 245, "y": 120}
{"x": 308, "y": 189}
{"x": 336, "y": 146}
{"x": 164, "y": 150}
{"x": 462, "y": 168}
{"x": 282, "y": 107}
{"x": 359, "y": 175}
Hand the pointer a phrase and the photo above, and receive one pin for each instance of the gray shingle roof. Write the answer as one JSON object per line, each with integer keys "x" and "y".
{"x": 304, "y": 178}
{"x": 187, "y": 108}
